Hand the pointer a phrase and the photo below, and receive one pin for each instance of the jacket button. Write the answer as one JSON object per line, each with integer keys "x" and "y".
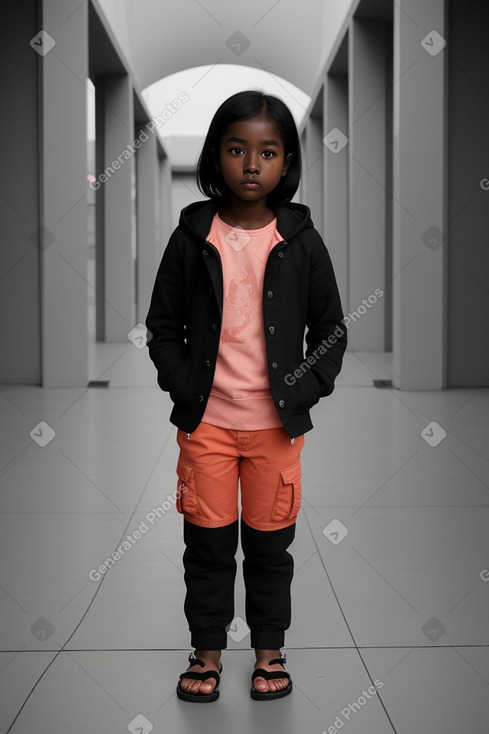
{"x": 281, "y": 403}
{"x": 200, "y": 398}
{"x": 207, "y": 363}
{"x": 270, "y": 294}
{"x": 271, "y": 329}
{"x": 274, "y": 365}
{"x": 212, "y": 327}
{"x": 280, "y": 254}
{"x": 204, "y": 252}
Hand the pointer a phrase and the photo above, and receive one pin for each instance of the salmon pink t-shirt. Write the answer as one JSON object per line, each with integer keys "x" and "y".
{"x": 240, "y": 397}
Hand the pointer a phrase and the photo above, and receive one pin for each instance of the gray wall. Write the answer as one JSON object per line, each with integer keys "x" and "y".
{"x": 336, "y": 181}
{"x": 468, "y": 202}
{"x": 183, "y": 192}
{"x": 63, "y": 195}
{"x": 419, "y": 209}
{"x": 19, "y": 206}
{"x": 367, "y": 176}
{"x": 312, "y": 168}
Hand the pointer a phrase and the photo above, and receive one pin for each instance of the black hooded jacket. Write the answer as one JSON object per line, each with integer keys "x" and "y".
{"x": 300, "y": 295}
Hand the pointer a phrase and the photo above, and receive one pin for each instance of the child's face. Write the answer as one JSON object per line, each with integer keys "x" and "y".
{"x": 251, "y": 150}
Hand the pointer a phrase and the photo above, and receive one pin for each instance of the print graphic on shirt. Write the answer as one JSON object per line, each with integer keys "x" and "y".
{"x": 241, "y": 304}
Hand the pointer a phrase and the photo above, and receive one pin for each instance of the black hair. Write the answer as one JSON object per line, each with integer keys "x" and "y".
{"x": 243, "y": 106}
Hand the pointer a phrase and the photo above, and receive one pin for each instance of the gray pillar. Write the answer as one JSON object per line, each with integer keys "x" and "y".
{"x": 147, "y": 222}
{"x": 119, "y": 232}
{"x": 166, "y": 209}
{"x": 20, "y": 333}
{"x": 303, "y": 190}
{"x": 367, "y": 207}
{"x": 336, "y": 177}
{"x": 313, "y": 168}
{"x": 63, "y": 195}
{"x": 468, "y": 198}
{"x": 99, "y": 210}
{"x": 419, "y": 216}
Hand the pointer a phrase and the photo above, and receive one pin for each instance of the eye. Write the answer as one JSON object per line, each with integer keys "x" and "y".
{"x": 233, "y": 150}
{"x": 272, "y": 153}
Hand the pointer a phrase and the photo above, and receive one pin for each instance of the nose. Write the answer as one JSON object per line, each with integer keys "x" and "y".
{"x": 251, "y": 164}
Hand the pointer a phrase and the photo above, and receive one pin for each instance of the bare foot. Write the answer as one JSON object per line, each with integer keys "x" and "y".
{"x": 211, "y": 658}
{"x": 262, "y": 658}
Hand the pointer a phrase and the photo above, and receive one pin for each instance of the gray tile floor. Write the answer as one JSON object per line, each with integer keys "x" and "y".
{"x": 390, "y": 629}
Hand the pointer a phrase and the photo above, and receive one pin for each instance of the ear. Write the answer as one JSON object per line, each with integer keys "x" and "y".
{"x": 286, "y": 164}
{"x": 215, "y": 159}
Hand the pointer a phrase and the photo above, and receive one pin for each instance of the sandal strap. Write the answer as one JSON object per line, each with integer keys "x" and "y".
{"x": 269, "y": 674}
{"x": 201, "y": 676}
{"x": 195, "y": 661}
{"x": 272, "y": 674}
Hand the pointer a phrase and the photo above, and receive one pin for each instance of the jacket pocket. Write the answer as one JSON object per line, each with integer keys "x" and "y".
{"x": 186, "y": 500}
{"x": 179, "y": 383}
{"x": 305, "y": 391}
{"x": 288, "y": 498}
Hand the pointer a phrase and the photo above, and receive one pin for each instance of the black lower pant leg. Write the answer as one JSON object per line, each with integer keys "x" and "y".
{"x": 267, "y": 570}
{"x": 210, "y": 572}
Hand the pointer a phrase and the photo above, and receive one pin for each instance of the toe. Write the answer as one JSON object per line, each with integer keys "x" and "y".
{"x": 206, "y": 687}
{"x": 260, "y": 685}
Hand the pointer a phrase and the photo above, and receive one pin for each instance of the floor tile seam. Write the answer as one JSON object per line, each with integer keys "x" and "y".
{"x": 237, "y": 649}
{"x": 321, "y": 560}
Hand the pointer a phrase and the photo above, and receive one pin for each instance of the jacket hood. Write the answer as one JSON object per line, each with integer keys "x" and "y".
{"x": 292, "y": 218}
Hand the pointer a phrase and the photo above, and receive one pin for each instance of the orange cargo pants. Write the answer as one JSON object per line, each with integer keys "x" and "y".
{"x": 266, "y": 465}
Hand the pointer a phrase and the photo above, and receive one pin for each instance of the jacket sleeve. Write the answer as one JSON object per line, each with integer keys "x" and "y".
{"x": 166, "y": 316}
{"x": 326, "y": 337}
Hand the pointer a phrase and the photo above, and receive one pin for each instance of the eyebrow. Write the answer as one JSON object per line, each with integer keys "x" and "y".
{"x": 243, "y": 142}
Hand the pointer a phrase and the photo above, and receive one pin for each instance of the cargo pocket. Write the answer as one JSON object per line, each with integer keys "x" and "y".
{"x": 186, "y": 500}
{"x": 288, "y": 498}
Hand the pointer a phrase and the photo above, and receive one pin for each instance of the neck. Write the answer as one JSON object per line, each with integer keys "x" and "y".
{"x": 249, "y": 215}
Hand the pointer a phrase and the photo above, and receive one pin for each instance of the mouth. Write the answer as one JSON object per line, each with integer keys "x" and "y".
{"x": 250, "y": 184}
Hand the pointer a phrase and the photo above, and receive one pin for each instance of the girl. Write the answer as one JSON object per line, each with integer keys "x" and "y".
{"x": 242, "y": 277}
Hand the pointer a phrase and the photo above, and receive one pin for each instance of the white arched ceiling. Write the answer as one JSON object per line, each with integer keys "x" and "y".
{"x": 159, "y": 38}
{"x": 182, "y": 130}
{"x": 282, "y": 45}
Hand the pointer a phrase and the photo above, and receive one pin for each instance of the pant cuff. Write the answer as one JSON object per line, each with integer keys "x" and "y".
{"x": 209, "y": 639}
{"x": 267, "y": 639}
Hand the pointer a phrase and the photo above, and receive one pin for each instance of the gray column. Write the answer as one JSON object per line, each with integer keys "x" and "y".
{"x": 147, "y": 216}
{"x": 63, "y": 194}
{"x": 419, "y": 218}
{"x": 367, "y": 60}
{"x": 166, "y": 223}
{"x": 20, "y": 238}
{"x": 303, "y": 190}
{"x": 313, "y": 167}
{"x": 119, "y": 231}
{"x": 468, "y": 198}
{"x": 335, "y": 132}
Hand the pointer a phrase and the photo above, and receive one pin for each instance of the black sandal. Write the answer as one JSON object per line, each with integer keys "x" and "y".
{"x": 199, "y": 697}
{"x": 270, "y": 675}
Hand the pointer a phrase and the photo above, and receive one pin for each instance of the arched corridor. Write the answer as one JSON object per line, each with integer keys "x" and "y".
{"x": 105, "y": 105}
